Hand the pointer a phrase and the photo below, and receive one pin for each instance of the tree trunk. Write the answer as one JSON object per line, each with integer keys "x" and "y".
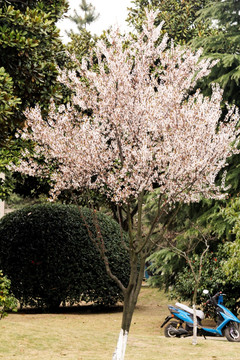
{"x": 194, "y": 341}
{"x": 128, "y": 309}
{"x": 130, "y": 300}
{"x": 194, "y": 299}
{"x": 2, "y": 176}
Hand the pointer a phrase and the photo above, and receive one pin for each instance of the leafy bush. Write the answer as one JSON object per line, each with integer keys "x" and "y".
{"x": 213, "y": 278}
{"x": 164, "y": 265}
{"x": 47, "y": 253}
{"x": 7, "y": 300}
{"x": 231, "y": 216}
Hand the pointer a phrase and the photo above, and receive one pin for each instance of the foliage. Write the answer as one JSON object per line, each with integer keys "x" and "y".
{"x": 223, "y": 44}
{"x": 220, "y": 220}
{"x": 8, "y": 102}
{"x": 231, "y": 215}
{"x": 55, "y": 7}
{"x": 213, "y": 278}
{"x": 164, "y": 267}
{"x": 82, "y": 21}
{"x": 31, "y": 50}
{"x": 7, "y": 300}
{"x": 8, "y": 154}
{"x": 178, "y": 16}
{"x": 30, "y": 186}
{"x": 46, "y": 251}
{"x": 81, "y": 44}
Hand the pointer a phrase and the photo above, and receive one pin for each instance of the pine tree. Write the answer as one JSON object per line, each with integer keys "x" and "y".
{"x": 223, "y": 44}
{"x": 88, "y": 17}
{"x": 82, "y": 41}
{"x": 224, "y": 16}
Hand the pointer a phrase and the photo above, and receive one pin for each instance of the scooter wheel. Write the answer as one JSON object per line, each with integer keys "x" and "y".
{"x": 168, "y": 330}
{"x": 232, "y": 332}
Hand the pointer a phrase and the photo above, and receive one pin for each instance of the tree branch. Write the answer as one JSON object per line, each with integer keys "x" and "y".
{"x": 99, "y": 243}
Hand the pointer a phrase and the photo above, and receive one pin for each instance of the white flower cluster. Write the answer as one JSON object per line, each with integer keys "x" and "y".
{"x": 144, "y": 128}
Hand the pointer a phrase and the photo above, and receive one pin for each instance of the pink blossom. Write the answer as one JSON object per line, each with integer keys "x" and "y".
{"x": 144, "y": 128}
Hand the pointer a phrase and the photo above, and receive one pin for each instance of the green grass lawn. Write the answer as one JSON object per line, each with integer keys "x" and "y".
{"x": 93, "y": 336}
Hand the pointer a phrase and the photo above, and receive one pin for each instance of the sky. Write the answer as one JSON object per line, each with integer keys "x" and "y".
{"x": 112, "y": 12}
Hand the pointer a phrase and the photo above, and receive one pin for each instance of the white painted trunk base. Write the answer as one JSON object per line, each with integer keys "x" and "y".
{"x": 194, "y": 340}
{"x": 119, "y": 353}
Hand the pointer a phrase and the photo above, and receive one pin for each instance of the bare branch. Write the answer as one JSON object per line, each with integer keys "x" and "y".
{"x": 98, "y": 241}
{"x": 121, "y": 228}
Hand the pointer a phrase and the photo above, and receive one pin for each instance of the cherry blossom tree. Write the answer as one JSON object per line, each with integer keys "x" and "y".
{"x": 134, "y": 127}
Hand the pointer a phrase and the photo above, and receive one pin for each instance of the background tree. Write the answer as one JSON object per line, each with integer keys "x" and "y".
{"x": 89, "y": 16}
{"x": 178, "y": 16}
{"x": 191, "y": 243}
{"x": 227, "y": 217}
{"x": 223, "y": 44}
{"x": 82, "y": 40}
{"x": 213, "y": 278}
{"x": 134, "y": 131}
{"x": 81, "y": 44}
{"x": 31, "y": 49}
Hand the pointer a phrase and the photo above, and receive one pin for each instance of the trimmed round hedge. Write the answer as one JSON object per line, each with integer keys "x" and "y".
{"x": 47, "y": 253}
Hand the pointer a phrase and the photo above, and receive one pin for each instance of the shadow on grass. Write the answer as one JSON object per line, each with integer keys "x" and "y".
{"x": 75, "y": 309}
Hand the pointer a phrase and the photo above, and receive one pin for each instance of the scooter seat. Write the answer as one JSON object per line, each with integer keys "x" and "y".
{"x": 199, "y": 313}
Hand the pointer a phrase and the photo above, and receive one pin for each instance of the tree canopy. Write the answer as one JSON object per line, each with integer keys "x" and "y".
{"x": 89, "y": 16}
{"x": 82, "y": 40}
{"x": 30, "y": 51}
{"x": 178, "y": 16}
{"x": 223, "y": 44}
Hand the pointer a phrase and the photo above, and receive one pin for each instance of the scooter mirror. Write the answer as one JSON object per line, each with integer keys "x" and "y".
{"x": 205, "y": 292}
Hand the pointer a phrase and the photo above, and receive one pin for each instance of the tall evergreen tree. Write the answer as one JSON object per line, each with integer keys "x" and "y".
{"x": 223, "y": 44}
{"x": 89, "y": 16}
{"x": 83, "y": 40}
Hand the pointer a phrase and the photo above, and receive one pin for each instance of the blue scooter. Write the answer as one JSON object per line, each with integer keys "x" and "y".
{"x": 227, "y": 324}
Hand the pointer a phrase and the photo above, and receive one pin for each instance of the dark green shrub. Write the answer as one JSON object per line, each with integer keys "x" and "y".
{"x": 46, "y": 252}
